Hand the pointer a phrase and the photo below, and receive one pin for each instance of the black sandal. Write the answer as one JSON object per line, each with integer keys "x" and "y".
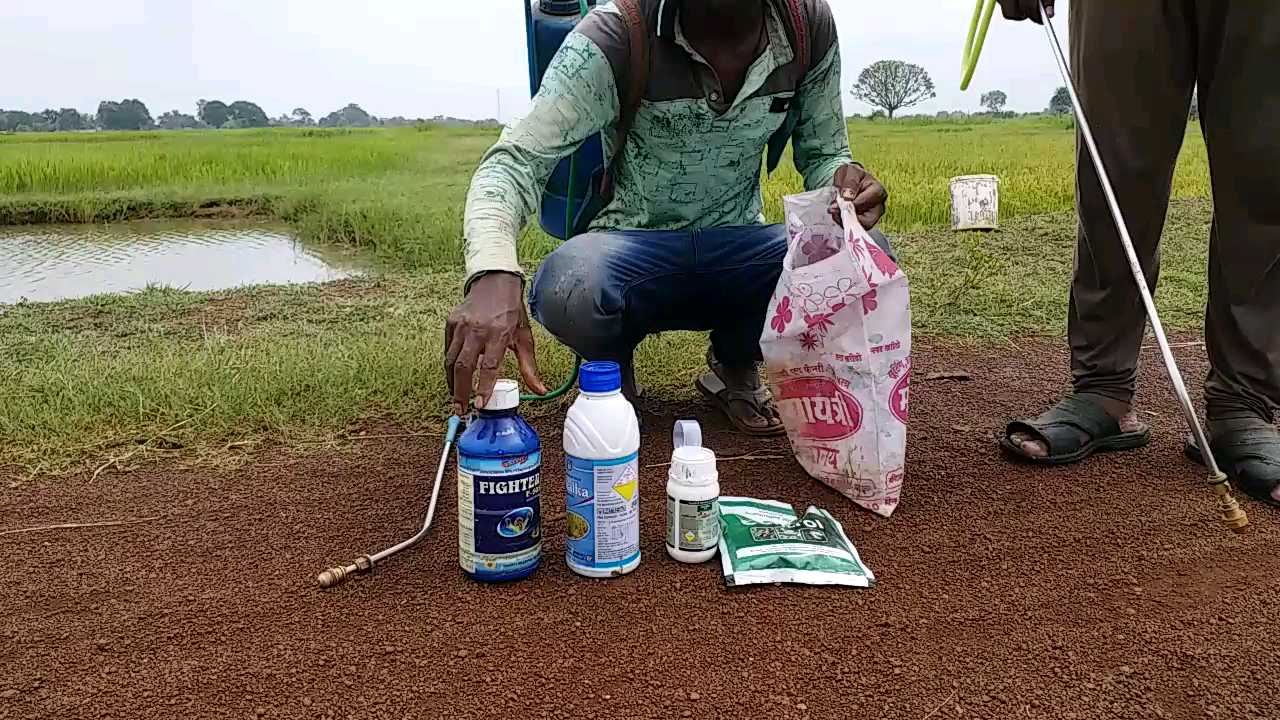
{"x": 1248, "y": 451}
{"x": 716, "y": 391}
{"x": 1059, "y": 429}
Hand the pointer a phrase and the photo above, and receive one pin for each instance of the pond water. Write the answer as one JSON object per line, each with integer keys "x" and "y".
{"x": 42, "y": 263}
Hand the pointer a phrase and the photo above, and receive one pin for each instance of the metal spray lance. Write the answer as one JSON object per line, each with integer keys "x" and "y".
{"x": 362, "y": 565}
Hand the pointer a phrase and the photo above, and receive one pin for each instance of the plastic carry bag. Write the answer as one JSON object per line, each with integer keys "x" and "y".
{"x": 837, "y": 348}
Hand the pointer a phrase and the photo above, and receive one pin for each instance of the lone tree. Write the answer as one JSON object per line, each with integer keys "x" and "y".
{"x": 1061, "y": 102}
{"x": 894, "y": 85}
{"x": 129, "y": 114}
{"x": 995, "y": 100}
{"x": 248, "y": 114}
{"x": 301, "y": 116}
{"x": 350, "y": 116}
{"x": 213, "y": 113}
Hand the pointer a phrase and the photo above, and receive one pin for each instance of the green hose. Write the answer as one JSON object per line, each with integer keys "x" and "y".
{"x": 977, "y": 37}
{"x": 568, "y": 231}
{"x": 560, "y": 391}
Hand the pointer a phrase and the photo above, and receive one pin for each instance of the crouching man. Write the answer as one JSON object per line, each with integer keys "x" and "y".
{"x": 682, "y": 245}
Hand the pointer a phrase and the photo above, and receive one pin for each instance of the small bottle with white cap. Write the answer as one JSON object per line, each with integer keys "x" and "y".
{"x": 693, "y": 492}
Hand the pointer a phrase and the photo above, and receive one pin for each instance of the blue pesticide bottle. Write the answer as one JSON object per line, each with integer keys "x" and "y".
{"x": 567, "y": 200}
{"x": 499, "y": 491}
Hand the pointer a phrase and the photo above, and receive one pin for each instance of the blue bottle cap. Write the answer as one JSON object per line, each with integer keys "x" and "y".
{"x": 600, "y": 377}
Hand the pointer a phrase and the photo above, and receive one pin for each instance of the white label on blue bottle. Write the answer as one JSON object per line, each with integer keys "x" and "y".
{"x": 499, "y": 515}
{"x": 603, "y": 512}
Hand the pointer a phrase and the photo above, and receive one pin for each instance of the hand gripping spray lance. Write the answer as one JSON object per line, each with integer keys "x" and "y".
{"x": 1229, "y": 511}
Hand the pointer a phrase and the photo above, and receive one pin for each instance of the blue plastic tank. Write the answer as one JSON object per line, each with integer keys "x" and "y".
{"x": 564, "y": 213}
{"x": 499, "y": 491}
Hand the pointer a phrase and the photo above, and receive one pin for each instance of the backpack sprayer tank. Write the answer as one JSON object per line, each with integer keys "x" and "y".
{"x": 566, "y": 200}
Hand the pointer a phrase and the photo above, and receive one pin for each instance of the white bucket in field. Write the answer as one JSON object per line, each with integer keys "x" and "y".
{"x": 975, "y": 202}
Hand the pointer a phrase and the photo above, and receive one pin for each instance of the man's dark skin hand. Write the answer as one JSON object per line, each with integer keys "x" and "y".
{"x": 864, "y": 191}
{"x": 490, "y": 321}
{"x": 1026, "y": 9}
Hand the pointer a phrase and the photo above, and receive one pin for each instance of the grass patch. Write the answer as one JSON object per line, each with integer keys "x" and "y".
{"x": 1016, "y": 280}
{"x": 287, "y": 364}
{"x": 400, "y": 191}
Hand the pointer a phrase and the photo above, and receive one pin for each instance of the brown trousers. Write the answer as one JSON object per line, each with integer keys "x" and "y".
{"x": 1136, "y": 63}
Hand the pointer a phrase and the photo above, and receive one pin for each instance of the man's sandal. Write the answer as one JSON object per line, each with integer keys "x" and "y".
{"x": 1248, "y": 451}
{"x": 714, "y": 389}
{"x": 1060, "y": 427}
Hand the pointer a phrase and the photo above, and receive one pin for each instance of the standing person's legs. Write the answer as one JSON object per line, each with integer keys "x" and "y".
{"x": 1134, "y": 64}
{"x": 1134, "y": 67}
{"x": 1240, "y": 115}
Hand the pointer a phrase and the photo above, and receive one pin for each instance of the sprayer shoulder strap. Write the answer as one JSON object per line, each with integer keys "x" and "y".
{"x": 802, "y": 44}
{"x": 637, "y": 83}
{"x": 800, "y": 29}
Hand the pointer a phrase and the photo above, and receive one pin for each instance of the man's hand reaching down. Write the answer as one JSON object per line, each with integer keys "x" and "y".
{"x": 489, "y": 322}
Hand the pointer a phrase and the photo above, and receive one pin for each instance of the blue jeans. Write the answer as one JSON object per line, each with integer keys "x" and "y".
{"x": 601, "y": 294}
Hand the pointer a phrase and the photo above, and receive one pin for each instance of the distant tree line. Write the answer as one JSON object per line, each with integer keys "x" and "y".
{"x": 893, "y": 85}
{"x": 64, "y": 120}
{"x": 132, "y": 114}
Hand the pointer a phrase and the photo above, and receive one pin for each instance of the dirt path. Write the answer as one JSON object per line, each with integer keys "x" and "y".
{"x": 1102, "y": 591}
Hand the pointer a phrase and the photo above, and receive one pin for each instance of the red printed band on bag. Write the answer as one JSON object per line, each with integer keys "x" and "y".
{"x": 900, "y": 396}
{"x": 819, "y": 408}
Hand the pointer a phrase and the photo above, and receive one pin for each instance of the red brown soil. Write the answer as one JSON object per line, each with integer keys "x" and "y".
{"x": 1101, "y": 591}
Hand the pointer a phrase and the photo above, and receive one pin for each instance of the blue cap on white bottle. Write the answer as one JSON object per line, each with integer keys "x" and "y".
{"x": 600, "y": 377}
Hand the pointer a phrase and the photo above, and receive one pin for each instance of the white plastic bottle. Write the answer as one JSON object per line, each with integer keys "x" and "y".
{"x": 602, "y": 493}
{"x": 693, "y": 515}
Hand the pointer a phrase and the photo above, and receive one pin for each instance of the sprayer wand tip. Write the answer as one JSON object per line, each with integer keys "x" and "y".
{"x": 1229, "y": 511}
{"x": 335, "y": 576}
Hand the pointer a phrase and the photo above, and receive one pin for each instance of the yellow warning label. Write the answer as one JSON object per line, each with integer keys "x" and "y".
{"x": 627, "y": 489}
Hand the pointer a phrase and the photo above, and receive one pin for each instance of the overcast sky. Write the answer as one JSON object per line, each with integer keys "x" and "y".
{"x": 416, "y": 58}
